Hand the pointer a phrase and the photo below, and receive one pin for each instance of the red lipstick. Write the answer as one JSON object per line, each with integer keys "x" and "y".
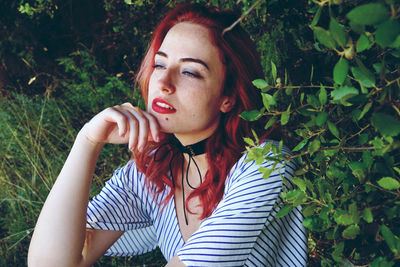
{"x": 161, "y": 106}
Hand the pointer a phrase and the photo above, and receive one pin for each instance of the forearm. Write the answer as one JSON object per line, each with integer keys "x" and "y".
{"x": 60, "y": 231}
{"x": 175, "y": 262}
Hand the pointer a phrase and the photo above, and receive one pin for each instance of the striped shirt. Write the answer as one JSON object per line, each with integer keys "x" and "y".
{"x": 242, "y": 230}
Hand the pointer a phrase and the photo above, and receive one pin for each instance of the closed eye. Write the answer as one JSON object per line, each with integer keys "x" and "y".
{"x": 192, "y": 74}
{"x": 158, "y": 66}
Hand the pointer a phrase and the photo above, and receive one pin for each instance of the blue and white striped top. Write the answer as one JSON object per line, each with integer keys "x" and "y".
{"x": 242, "y": 230}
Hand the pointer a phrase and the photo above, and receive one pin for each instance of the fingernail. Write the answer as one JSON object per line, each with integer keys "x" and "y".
{"x": 157, "y": 138}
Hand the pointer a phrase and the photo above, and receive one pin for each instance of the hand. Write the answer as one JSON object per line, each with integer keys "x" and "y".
{"x": 122, "y": 124}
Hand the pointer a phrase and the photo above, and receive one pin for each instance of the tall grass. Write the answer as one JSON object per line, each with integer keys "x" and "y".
{"x": 36, "y": 134}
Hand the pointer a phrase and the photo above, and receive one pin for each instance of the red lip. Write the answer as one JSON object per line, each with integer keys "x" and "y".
{"x": 162, "y": 109}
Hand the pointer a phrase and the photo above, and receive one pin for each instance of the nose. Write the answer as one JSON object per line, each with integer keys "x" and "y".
{"x": 166, "y": 82}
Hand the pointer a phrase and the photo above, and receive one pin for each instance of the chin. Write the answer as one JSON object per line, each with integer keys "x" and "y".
{"x": 165, "y": 128}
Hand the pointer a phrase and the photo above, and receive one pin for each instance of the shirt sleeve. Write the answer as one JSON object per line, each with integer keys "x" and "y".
{"x": 229, "y": 236}
{"x": 124, "y": 205}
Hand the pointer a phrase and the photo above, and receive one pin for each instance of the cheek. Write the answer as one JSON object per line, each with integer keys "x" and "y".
{"x": 150, "y": 89}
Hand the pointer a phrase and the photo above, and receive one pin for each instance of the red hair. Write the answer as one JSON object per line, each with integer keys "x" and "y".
{"x": 241, "y": 62}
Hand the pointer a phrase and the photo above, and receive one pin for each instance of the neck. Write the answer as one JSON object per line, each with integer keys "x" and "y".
{"x": 192, "y": 138}
{"x": 196, "y": 151}
{"x": 201, "y": 161}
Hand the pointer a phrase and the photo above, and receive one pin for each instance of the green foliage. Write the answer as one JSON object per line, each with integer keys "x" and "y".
{"x": 344, "y": 132}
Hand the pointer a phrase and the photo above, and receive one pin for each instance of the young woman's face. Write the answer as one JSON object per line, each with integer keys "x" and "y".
{"x": 185, "y": 88}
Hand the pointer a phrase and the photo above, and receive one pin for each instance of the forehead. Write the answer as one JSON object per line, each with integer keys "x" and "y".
{"x": 189, "y": 40}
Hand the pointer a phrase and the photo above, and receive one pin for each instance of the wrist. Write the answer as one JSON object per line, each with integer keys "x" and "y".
{"x": 86, "y": 141}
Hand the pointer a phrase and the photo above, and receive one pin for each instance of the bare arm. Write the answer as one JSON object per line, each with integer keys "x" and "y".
{"x": 175, "y": 262}
{"x": 60, "y": 237}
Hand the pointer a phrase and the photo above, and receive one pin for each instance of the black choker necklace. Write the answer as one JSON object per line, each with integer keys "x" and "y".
{"x": 192, "y": 150}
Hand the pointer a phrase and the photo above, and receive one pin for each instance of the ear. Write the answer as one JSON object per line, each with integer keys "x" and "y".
{"x": 227, "y": 104}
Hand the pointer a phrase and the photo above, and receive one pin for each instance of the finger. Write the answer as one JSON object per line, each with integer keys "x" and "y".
{"x": 113, "y": 115}
{"x": 143, "y": 130}
{"x": 127, "y": 106}
{"x": 133, "y": 128}
{"x": 154, "y": 126}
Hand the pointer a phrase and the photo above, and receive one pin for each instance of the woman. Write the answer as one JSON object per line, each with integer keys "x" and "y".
{"x": 189, "y": 189}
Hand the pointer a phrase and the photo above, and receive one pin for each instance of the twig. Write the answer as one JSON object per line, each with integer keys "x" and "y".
{"x": 382, "y": 189}
{"x": 354, "y": 135}
{"x": 396, "y": 108}
{"x": 305, "y": 86}
{"x": 392, "y": 82}
{"x": 241, "y": 17}
{"x": 350, "y": 149}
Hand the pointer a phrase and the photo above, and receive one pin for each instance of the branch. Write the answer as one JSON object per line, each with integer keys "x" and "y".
{"x": 350, "y": 149}
{"x": 241, "y": 17}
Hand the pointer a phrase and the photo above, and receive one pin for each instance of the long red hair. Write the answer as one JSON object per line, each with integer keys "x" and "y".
{"x": 223, "y": 149}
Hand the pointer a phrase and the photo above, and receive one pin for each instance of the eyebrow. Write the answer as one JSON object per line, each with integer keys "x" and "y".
{"x": 186, "y": 59}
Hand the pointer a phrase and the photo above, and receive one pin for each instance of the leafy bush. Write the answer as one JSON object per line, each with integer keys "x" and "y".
{"x": 344, "y": 127}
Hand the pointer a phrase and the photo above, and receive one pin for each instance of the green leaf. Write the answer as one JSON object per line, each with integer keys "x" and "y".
{"x": 314, "y": 145}
{"x": 321, "y": 118}
{"x": 324, "y": 37}
{"x": 297, "y": 197}
{"x": 251, "y": 115}
{"x": 387, "y": 33}
{"x": 368, "y": 160}
{"x": 368, "y": 14}
{"x": 340, "y": 71}
{"x": 268, "y": 100}
{"x": 337, "y": 32}
{"x": 363, "y": 76}
{"x": 362, "y": 43}
{"x": 255, "y": 136}
{"x": 308, "y": 211}
{"x": 274, "y": 71}
{"x": 301, "y": 184}
{"x": 333, "y": 129}
{"x": 396, "y": 43}
{"x": 284, "y": 211}
{"x": 300, "y": 145}
{"x": 362, "y": 139}
{"x": 358, "y": 170}
{"x": 338, "y": 251}
{"x": 388, "y": 183}
{"x": 270, "y": 122}
{"x": 385, "y": 124}
{"x": 353, "y": 210}
{"x": 249, "y": 141}
{"x": 351, "y": 231}
{"x": 316, "y": 17}
{"x": 367, "y": 215}
{"x": 315, "y": 224}
{"x": 260, "y": 83}
{"x": 343, "y": 93}
{"x": 129, "y": 2}
{"x": 358, "y": 28}
{"x": 285, "y": 116}
{"x": 344, "y": 219}
{"x": 366, "y": 108}
{"x": 322, "y": 95}
{"x": 390, "y": 238}
{"x": 313, "y": 101}
{"x": 266, "y": 172}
